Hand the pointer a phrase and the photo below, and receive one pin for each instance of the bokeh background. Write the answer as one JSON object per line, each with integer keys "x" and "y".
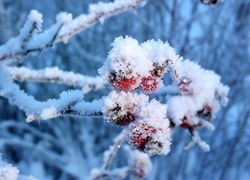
{"x": 216, "y": 36}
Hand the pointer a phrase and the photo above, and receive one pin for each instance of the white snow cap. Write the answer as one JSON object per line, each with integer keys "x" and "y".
{"x": 35, "y": 16}
{"x": 129, "y": 59}
{"x": 126, "y": 59}
{"x": 205, "y": 89}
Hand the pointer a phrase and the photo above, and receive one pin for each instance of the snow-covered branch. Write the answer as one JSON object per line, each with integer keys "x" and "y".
{"x": 70, "y": 103}
{"x": 97, "y": 13}
{"x": 9, "y": 172}
{"x": 55, "y": 75}
{"x": 138, "y": 164}
{"x": 29, "y": 41}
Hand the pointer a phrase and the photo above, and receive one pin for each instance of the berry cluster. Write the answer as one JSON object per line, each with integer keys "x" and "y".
{"x": 199, "y": 97}
{"x": 145, "y": 122}
{"x": 132, "y": 66}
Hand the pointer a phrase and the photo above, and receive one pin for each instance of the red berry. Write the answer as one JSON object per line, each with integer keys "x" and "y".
{"x": 208, "y": 109}
{"x": 125, "y": 84}
{"x": 124, "y": 120}
{"x": 141, "y": 137}
{"x": 185, "y": 124}
{"x": 121, "y": 116}
{"x": 149, "y": 84}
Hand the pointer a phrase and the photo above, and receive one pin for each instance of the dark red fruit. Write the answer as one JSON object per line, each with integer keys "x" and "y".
{"x": 124, "y": 120}
{"x": 119, "y": 118}
{"x": 141, "y": 135}
{"x": 185, "y": 124}
{"x": 149, "y": 84}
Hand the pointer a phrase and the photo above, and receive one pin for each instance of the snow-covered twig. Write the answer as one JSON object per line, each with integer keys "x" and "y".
{"x": 55, "y": 75}
{"x": 97, "y": 13}
{"x": 138, "y": 163}
{"x": 104, "y": 172}
{"x": 70, "y": 103}
{"x": 118, "y": 173}
{"x": 197, "y": 140}
{"x": 28, "y": 41}
{"x": 110, "y": 153}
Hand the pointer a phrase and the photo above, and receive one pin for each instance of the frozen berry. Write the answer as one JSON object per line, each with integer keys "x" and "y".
{"x": 125, "y": 84}
{"x": 141, "y": 137}
{"x": 124, "y": 120}
{"x": 159, "y": 70}
{"x": 121, "y": 116}
{"x": 149, "y": 84}
{"x": 186, "y": 125}
{"x": 121, "y": 108}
